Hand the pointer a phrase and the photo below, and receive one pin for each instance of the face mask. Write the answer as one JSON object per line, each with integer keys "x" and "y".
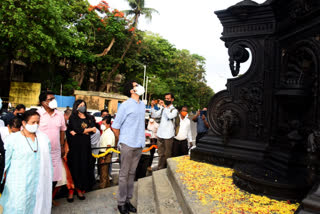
{"x": 184, "y": 113}
{"x": 103, "y": 127}
{"x": 167, "y": 102}
{"x": 82, "y": 109}
{"x": 32, "y": 128}
{"x": 139, "y": 90}
{"x": 53, "y": 104}
{"x": 151, "y": 120}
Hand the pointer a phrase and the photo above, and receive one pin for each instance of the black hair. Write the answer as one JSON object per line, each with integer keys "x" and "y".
{"x": 172, "y": 96}
{"x": 15, "y": 122}
{"x": 30, "y": 113}
{"x": 97, "y": 125}
{"x": 68, "y": 111}
{"x": 75, "y": 107}
{"x": 181, "y": 107}
{"x": 20, "y": 106}
{"x": 107, "y": 119}
{"x": 104, "y": 110}
{"x": 127, "y": 87}
{"x": 43, "y": 96}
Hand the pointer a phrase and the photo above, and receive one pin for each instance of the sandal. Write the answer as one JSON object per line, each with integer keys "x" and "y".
{"x": 70, "y": 198}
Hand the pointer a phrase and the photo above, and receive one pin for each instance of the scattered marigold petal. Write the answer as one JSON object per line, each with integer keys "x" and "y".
{"x": 214, "y": 185}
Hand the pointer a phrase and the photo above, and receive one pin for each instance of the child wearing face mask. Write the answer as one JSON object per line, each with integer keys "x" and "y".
{"x": 107, "y": 140}
{"x": 28, "y": 168}
{"x": 153, "y": 127}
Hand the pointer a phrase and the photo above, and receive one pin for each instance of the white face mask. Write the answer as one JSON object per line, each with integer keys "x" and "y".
{"x": 31, "y": 128}
{"x": 151, "y": 120}
{"x": 103, "y": 127}
{"x": 53, "y": 104}
{"x": 139, "y": 90}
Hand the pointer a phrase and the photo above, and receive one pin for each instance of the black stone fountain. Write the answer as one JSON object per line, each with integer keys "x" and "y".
{"x": 260, "y": 125}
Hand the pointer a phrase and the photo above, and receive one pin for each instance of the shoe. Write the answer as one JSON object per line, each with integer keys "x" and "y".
{"x": 70, "y": 200}
{"x": 123, "y": 209}
{"x": 80, "y": 197}
{"x": 130, "y": 207}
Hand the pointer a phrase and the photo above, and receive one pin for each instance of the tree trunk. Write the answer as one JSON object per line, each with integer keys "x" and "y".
{"x": 105, "y": 51}
{"x": 150, "y": 95}
{"x": 115, "y": 68}
{"x": 82, "y": 72}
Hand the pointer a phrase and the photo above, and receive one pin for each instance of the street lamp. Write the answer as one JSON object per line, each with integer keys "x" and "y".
{"x": 146, "y": 97}
{"x": 144, "y": 79}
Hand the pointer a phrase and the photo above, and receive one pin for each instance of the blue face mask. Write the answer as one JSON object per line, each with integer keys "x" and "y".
{"x": 0, "y": 103}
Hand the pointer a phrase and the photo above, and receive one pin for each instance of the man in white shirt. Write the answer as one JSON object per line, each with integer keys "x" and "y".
{"x": 183, "y": 134}
{"x": 165, "y": 133}
{"x": 107, "y": 140}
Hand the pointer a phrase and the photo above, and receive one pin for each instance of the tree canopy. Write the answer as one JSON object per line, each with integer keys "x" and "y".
{"x": 92, "y": 47}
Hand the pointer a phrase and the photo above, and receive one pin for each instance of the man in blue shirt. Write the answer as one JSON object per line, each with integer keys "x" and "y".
{"x": 202, "y": 124}
{"x": 129, "y": 130}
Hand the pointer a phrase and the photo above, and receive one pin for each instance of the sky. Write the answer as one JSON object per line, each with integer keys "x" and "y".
{"x": 191, "y": 25}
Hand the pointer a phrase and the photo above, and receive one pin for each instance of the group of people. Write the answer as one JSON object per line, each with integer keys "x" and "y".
{"x": 173, "y": 133}
{"x": 44, "y": 148}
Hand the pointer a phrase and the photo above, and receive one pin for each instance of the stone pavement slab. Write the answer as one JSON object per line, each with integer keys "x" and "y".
{"x": 97, "y": 202}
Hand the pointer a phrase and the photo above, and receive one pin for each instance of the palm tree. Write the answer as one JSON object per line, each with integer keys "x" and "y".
{"x": 137, "y": 9}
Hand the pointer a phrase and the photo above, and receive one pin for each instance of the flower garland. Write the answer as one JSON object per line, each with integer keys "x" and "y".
{"x": 116, "y": 151}
{"x": 105, "y": 153}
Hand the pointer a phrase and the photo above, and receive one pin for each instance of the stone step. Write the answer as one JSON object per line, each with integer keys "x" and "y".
{"x": 166, "y": 200}
{"x": 146, "y": 202}
{"x": 188, "y": 200}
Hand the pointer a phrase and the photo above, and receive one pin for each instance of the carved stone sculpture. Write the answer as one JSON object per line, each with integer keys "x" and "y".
{"x": 260, "y": 124}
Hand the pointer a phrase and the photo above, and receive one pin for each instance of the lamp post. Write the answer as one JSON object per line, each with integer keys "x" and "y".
{"x": 144, "y": 79}
{"x": 146, "y": 97}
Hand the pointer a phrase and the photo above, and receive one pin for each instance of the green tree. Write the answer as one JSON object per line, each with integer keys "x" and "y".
{"x": 137, "y": 9}
{"x": 103, "y": 30}
{"x": 170, "y": 70}
{"x": 39, "y": 30}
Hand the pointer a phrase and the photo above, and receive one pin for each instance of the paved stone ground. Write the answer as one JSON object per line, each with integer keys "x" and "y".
{"x": 97, "y": 202}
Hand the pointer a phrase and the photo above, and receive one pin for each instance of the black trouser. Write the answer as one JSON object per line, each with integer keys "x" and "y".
{"x": 54, "y": 184}
{"x": 152, "y": 151}
{"x": 179, "y": 147}
{"x": 199, "y": 136}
